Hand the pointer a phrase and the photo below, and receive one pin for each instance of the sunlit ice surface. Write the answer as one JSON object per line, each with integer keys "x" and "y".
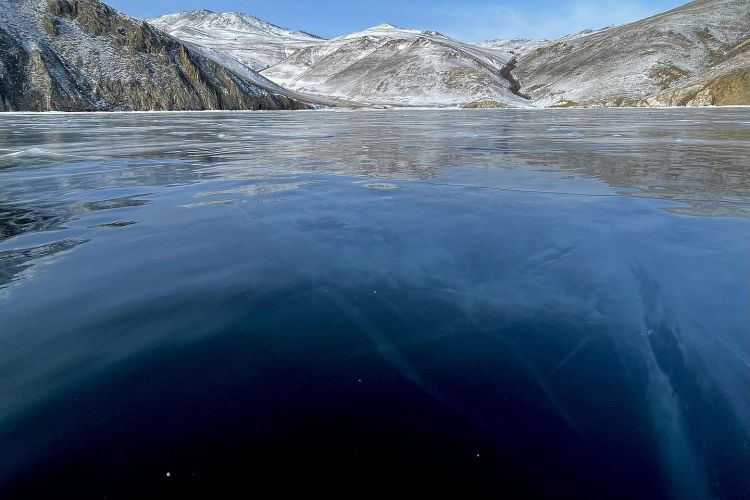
{"x": 487, "y": 303}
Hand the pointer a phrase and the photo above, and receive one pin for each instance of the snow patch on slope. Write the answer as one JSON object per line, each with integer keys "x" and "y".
{"x": 516, "y": 46}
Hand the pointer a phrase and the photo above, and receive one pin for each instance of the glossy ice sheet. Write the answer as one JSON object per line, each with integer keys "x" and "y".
{"x": 489, "y": 302}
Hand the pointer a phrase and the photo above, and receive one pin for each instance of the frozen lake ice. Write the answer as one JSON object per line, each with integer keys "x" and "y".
{"x": 473, "y": 302}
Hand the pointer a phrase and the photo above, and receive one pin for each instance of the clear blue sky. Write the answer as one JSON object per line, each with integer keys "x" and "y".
{"x": 469, "y": 20}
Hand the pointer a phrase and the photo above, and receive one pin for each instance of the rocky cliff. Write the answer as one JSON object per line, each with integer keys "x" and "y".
{"x": 81, "y": 55}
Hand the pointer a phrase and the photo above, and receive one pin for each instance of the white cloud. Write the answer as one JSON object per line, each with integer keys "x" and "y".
{"x": 479, "y": 21}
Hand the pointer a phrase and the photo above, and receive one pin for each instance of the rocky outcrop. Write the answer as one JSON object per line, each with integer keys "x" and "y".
{"x": 675, "y": 58}
{"x": 725, "y": 83}
{"x": 726, "y": 90}
{"x": 81, "y": 55}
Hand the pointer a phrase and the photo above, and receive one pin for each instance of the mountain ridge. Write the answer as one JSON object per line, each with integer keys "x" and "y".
{"x": 656, "y": 61}
{"x": 631, "y": 64}
{"x": 386, "y": 65}
{"x": 250, "y": 40}
{"x": 253, "y": 20}
{"x": 81, "y": 55}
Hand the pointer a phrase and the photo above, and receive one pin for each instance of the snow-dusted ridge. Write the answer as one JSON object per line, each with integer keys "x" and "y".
{"x": 410, "y": 67}
{"x": 386, "y": 65}
{"x": 253, "y": 42}
{"x": 632, "y": 64}
{"x": 81, "y": 54}
{"x": 636, "y": 64}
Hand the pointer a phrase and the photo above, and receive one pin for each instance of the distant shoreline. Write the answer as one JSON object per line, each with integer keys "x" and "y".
{"x": 383, "y": 109}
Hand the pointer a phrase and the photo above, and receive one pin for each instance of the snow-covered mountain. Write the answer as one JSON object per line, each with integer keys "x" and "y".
{"x": 649, "y": 62}
{"x": 81, "y": 55}
{"x": 690, "y": 55}
{"x": 253, "y": 42}
{"x": 385, "y": 65}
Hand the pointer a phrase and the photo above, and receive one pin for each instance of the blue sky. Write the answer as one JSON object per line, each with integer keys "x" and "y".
{"x": 469, "y": 20}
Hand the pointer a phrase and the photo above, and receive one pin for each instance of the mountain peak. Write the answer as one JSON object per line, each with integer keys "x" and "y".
{"x": 382, "y": 30}
{"x": 251, "y": 41}
{"x": 208, "y": 20}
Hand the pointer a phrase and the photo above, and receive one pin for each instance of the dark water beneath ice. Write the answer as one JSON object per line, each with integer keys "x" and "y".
{"x": 487, "y": 303}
